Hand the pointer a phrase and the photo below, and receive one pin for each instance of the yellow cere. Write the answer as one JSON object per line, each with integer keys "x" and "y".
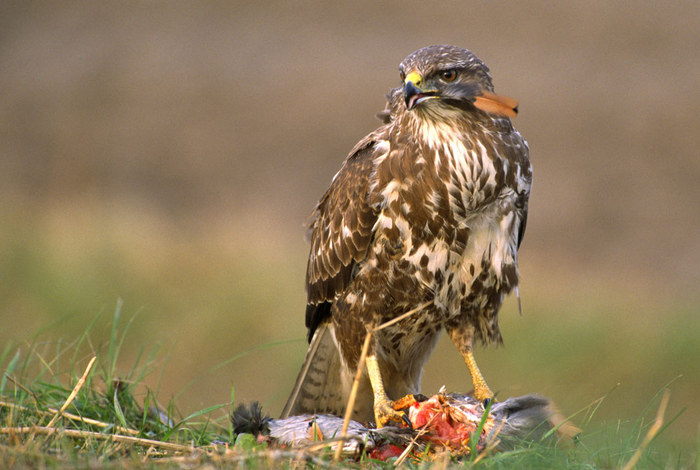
{"x": 414, "y": 77}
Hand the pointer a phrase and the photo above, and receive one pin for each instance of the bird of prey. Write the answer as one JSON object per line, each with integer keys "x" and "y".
{"x": 427, "y": 212}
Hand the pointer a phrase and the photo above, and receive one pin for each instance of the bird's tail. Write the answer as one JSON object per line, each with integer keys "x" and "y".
{"x": 319, "y": 386}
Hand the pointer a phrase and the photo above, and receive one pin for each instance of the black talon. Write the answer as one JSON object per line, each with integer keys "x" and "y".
{"x": 419, "y": 397}
{"x": 487, "y": 402}
{"x": 407, "y": 420}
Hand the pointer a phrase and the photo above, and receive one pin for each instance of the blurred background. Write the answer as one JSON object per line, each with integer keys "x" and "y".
{"x": 168, "y": 153}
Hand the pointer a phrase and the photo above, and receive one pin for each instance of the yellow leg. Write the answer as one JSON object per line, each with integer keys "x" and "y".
{"x": 383, "y": 407}
{"x": 481, "y": 390}
{"x": 462, "y": 337}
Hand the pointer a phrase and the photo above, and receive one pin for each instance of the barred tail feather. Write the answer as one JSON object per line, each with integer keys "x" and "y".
{"x": 319, "y": 387}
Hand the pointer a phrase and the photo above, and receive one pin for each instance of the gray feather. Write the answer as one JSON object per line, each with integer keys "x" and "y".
{"x": 318, "y": 388}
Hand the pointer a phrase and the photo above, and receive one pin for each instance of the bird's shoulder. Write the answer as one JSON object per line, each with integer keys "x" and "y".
{"x": 341, "y": 224}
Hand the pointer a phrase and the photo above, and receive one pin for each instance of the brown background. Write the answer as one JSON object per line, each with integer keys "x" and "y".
{"x": 167, "y": 153}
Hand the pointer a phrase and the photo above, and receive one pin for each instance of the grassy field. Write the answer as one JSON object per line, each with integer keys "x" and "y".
{"x": 164, "y": 159}
{"x": 67, "y": 403}
{"x": 200, "y": 323}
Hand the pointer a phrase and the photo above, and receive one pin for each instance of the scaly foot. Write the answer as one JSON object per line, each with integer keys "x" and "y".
{"x": 407, "y": 401}
{"x": 483, "y": 393}
{"x": 384, "y": 412}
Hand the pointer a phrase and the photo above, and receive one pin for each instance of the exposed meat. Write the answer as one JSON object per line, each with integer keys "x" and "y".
{"x": 442, "y": 422}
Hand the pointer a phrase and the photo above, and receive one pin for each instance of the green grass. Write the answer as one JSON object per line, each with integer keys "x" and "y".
{"x": 116, "y": 420}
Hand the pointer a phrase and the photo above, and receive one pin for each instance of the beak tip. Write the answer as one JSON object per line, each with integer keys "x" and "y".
{"x": 409, "y": 91}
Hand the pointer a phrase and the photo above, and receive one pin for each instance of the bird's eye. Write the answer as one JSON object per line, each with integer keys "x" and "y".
{"x": 448, "y": 75}
{"x": 402, "y": 74}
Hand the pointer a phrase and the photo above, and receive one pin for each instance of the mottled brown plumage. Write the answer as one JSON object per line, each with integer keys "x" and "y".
{"x": 430, "y": 207}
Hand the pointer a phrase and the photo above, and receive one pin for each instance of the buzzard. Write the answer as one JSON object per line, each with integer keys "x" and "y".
{"x": 427, "y": 214}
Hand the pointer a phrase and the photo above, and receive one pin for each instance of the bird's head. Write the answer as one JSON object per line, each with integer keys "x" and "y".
{"x": 439, "y": 76}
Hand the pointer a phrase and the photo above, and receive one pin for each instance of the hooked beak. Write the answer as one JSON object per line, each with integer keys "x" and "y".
{"x": 413, "y": 92}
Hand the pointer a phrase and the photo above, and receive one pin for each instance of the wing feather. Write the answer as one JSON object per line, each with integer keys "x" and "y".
{"x": 341, "y": 233}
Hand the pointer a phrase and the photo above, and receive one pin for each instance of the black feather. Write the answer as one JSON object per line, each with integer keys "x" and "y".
{"x": 250, "y": 419}
{"x": 315, "y": 314}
